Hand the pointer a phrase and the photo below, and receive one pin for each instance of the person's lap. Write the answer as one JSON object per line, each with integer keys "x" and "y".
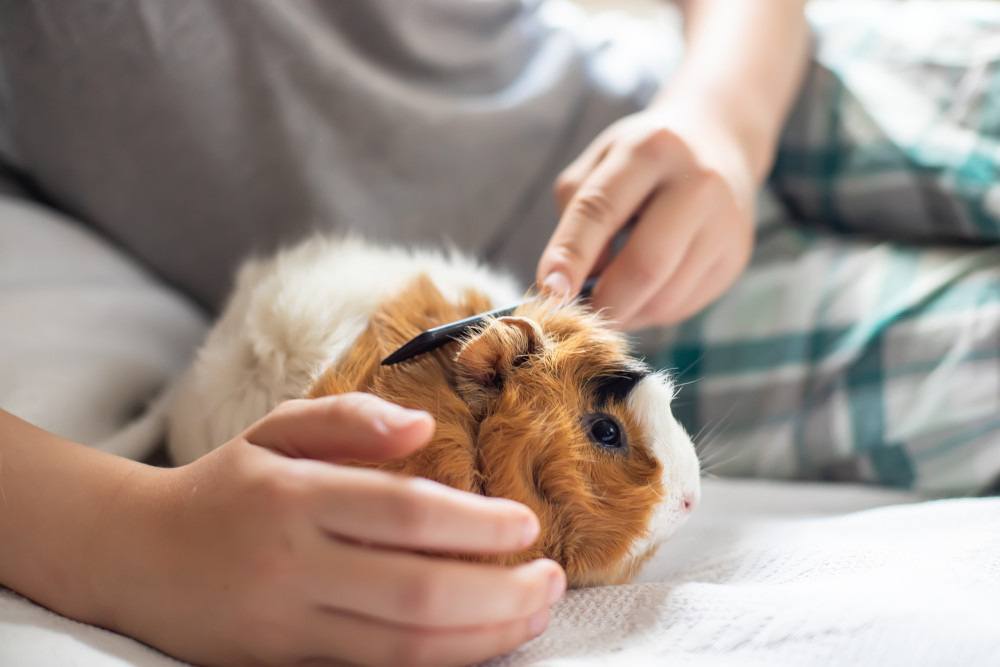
{"x": 845, "y": 358}
{"x": 863, "y": 342}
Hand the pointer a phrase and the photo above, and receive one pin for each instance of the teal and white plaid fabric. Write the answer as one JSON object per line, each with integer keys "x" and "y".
{"x": 863, "y": 343}
{"x": 897, "y": 130}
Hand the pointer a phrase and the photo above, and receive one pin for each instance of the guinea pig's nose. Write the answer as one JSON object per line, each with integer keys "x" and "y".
{"x": 690, "y": 500}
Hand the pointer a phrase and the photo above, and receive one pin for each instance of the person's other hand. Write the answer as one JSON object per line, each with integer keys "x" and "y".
{"x": 681, "y": 173}
{"x": 266, "y": 551}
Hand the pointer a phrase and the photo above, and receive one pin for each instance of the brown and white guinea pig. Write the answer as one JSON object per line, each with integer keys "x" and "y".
{"x": 545, "y": 407}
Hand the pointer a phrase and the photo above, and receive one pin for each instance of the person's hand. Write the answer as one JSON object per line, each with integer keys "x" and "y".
{"x": 267, "y": 552}
{"x": 681, "y": 173}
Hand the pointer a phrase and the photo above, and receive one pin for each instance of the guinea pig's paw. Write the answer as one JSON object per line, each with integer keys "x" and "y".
{"x": 485, "y": 360}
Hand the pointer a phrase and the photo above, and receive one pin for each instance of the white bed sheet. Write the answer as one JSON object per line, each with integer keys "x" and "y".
{"x": 765, "y": 573}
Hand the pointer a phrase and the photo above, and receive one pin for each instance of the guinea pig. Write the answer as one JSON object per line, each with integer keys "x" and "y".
{"x": 545, "y": 407}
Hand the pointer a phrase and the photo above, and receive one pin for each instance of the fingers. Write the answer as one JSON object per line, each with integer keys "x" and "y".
{"x": 572, "y": 176}
{"x": 406, "y": 588}
{"x": 655, "y": 249}
{"x": 378, "y": 507}
{"x": 682, "y": 176}
{"x": 696, "y": 288}
{"x": 598, "y": 209}
{"x": 342, "y": 427}
{"x": 652, "y": 253}
{"x": 415, "y": 513}
{"x": 681, "y": 288}
{"x": 711, "y": 263}
{"x": 364, "y": 641}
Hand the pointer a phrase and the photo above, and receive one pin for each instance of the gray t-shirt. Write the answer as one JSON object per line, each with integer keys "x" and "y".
{"x": 194, "y": 132}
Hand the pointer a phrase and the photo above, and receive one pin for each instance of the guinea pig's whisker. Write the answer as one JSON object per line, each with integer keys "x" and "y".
{"x": 692, "y": 364}
{"x": 679, "y": 385}
{"x": 709, "y": 439}
{"x": 716, "y": 466}
{"x": 733, "y": 455}
{"x": 715, "y": 429}
{"x": 703, "y": 444}
{"x": 708, "y": 453}
{"x": 712, "y": 465}
{"x": 697, "y": 439}
{"x": 709, "y": 459}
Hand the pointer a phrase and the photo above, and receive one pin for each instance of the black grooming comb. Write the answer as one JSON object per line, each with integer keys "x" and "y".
{"x": 434, "y": 338}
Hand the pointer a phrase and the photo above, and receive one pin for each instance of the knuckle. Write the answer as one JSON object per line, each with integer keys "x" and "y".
{"x": 593, "y": 206}
{"x": 270, "y": 570}
{"x": 505, "y": 531}
{"x": 278, "y": 494}
{"x": 413, "y": 519}
{"x": 565, "y": 188}
{"x": 528, "y": 595}
{"x": 274, "y": 426}
{"x": 284, "y": 407}
{"x": 420, "y": 597}
{"x": 358, "y": 408}
{"x": 643, "y": 270}
{"x": 564, "y": 256}
{"x": 350, "y": 402}
{"x": 289, "y": 407}
{"x": 657, "y": 145}
{"x": 708, "y": 181}
{"x": 274, "y": 638}
{"x": 274, "y": 562}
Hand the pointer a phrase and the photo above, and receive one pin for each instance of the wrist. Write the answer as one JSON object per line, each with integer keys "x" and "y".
{"x": 742, "y": 68}
{"x": 62, "y": 502}
{"x": 743, "y": 116}
{"x": 123, "y": 552}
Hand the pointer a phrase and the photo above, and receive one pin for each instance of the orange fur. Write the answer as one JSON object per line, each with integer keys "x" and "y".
{"x": 508, "y": 403}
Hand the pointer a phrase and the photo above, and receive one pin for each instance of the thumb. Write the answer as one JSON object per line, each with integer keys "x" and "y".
{"x": 345, "y": 426}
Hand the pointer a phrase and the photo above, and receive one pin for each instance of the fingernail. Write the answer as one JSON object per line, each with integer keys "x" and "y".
{"x": 397, "y": 417}
{"x": 557, "y": 586}
{"x": 537, "y": 622}
{"x": 556, "y": 284}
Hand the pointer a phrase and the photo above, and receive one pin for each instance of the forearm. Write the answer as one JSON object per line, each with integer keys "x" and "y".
{"x": 56, "y": 499}
{"x": 745, "y": 58}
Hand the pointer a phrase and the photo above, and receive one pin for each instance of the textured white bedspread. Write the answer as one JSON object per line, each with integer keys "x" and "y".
{"x": 765, "y": 573}
{"x": 775, "y": 574}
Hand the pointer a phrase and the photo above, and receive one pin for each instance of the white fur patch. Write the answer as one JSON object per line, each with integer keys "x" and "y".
{"x": 670, "y": 444}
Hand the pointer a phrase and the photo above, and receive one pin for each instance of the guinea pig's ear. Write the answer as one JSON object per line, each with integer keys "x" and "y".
{"x": 485, "y": 360}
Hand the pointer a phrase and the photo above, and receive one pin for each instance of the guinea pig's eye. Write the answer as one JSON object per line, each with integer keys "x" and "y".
{"x": 605, "y": 432}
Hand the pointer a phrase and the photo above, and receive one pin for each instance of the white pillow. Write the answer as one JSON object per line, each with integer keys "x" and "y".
{"x": 89, "y": 341}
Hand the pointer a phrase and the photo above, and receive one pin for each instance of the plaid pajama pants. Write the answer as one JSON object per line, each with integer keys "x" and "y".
{"x": 863, "y": 342}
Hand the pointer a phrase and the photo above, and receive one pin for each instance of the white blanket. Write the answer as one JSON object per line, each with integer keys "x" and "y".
{"x": 765, "y": 573}
{"x": 88, "y": 339}
{"x": 771, "y": 574}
